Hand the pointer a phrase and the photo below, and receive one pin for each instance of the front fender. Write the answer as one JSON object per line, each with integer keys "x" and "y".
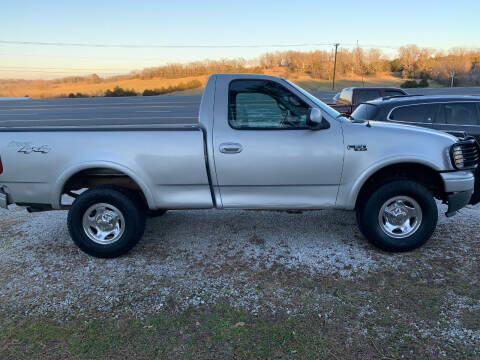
{"x": 349, "y": 190}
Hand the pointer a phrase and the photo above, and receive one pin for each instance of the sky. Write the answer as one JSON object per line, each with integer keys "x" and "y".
{"x": 237, "y": 29}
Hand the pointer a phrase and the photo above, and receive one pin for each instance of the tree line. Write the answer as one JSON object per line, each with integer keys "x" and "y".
{"x": 458, "y": 66}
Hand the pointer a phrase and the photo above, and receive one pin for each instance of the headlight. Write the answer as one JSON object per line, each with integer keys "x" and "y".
{"x": 457, "y": 156}
{"x": 465, "y": 154}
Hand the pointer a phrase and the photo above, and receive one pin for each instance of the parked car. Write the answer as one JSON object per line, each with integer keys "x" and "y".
{"x": 261, "y": 143}
{"x": 457, "y": 115}
{"x": 347, "y": 100}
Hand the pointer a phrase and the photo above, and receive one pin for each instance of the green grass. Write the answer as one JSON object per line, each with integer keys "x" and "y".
{"x": 192, "y": 334}
{"x": 372, "y": 318}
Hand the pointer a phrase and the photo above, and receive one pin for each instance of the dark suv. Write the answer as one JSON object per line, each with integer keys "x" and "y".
{"x": 453, "y": 114}
{"x": 457, "y": 115}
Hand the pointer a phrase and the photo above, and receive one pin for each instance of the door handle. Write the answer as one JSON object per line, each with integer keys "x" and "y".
{"x": 231, "y": 148}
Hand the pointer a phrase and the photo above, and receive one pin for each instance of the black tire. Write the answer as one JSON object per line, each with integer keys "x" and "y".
{"x": 368, "y": 215}
{"x": 133, "y": 224}
{"x": 156, "y": 213}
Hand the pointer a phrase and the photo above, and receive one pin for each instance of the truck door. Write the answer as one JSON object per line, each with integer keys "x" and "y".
{"x": 265, "y": 155}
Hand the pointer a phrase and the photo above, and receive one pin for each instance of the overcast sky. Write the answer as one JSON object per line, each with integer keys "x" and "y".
{"x": 387, "y": 24}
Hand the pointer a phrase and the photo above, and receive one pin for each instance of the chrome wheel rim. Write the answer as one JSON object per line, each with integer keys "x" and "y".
{"x": 400, "y": 217}
{"x": 103, "y": 223}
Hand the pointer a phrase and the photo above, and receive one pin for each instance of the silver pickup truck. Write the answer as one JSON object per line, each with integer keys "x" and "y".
{"x": 261, "y": 143}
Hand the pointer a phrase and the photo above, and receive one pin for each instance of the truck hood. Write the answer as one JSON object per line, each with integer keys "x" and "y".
{"x": 404, "y": 130}
{"x": 384, "y": 142}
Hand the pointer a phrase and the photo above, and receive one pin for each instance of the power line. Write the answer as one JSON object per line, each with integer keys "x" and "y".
{"x": 56, "y": 68}
{"x": 103, "y": 56}
{"x": 55, "y": 72}
{"x": 156, "y": 46}
{"x": 373, "y": 46}
{"x": 188, "y": 46}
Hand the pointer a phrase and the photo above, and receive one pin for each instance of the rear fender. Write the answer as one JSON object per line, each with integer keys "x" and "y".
{"x": 71, "y": 171}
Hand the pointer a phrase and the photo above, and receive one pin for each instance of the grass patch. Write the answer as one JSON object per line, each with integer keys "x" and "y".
{"x": 381, "y": 316}
{"x": 193, "y": 84}
{"x": 219, "y": 331}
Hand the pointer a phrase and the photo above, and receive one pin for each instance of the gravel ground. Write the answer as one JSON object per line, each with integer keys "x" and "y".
{"x": 204, "y": 257}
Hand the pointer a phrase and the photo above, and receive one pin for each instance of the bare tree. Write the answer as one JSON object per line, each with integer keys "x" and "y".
{"x": 408, "y": 56}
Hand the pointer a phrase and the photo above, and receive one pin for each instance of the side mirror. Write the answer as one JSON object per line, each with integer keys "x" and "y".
{"x": 316, "y": 121}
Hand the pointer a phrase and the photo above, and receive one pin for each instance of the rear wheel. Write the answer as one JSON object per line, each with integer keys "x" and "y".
{"x": 398, "y": 216}
{"x": 105, "y": 222}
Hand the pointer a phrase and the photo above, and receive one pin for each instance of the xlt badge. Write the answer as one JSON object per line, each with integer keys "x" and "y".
{"x": 361, "y": 147}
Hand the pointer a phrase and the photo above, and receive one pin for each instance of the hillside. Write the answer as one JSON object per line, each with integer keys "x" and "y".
{"x": 313, "y": 70}
{"x": 49, "y": 89}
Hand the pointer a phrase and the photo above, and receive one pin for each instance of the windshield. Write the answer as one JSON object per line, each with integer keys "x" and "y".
{"x": 365, "y": 111}
{"x": 324, "y": 107}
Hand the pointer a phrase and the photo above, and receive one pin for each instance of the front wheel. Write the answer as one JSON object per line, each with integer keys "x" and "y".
{"x": 105, "y": 222}
{"x": 398, "y": 216}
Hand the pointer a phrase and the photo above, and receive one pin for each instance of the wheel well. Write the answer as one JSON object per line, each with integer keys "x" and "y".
{"x": 425, "y": 175}
{"x": 94, "y": 177}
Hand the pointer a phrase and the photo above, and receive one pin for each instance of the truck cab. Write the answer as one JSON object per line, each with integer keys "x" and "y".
{"x": 350, "y": 98}
{"x": 264, "y": 151}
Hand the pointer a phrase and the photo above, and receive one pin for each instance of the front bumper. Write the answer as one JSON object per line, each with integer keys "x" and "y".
{"x": 459, "y": 187}
{"x": 457, "y": 200}
{"x": 456, "y": 181}
{"x": 3, "y": 200}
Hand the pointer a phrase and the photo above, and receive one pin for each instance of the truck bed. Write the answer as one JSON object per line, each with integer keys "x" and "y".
{"x": 88, "y": 112}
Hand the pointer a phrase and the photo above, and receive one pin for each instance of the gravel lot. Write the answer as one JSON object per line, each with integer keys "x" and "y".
{"x": 192, "y": 258}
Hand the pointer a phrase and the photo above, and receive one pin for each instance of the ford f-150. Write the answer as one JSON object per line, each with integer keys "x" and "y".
{"x": 261, "y": 142}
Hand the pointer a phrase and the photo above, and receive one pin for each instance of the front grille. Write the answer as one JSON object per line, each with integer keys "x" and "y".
{"x": 466, "y": 153}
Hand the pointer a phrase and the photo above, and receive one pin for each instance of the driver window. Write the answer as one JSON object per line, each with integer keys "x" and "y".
{"x": 264, "y": 104}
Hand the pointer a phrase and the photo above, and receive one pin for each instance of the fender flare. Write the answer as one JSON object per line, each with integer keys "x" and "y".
{"x": 74, "y": 169}
{"x": 379, "y": 165}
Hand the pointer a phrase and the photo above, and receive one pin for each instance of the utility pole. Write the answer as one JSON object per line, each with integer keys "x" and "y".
{"x": 361, "y": 64}
{"x": 335, "y": 65}
{"x": 452, "y": 75}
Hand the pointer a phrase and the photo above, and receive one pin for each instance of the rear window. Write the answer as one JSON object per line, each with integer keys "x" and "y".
{"x": 365, "y": 112}
{"x": 345, "y": 96}
{"x": 460, "y": 113}
{"x": 423, "y": 113}
{"x": 368, "y": 94}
